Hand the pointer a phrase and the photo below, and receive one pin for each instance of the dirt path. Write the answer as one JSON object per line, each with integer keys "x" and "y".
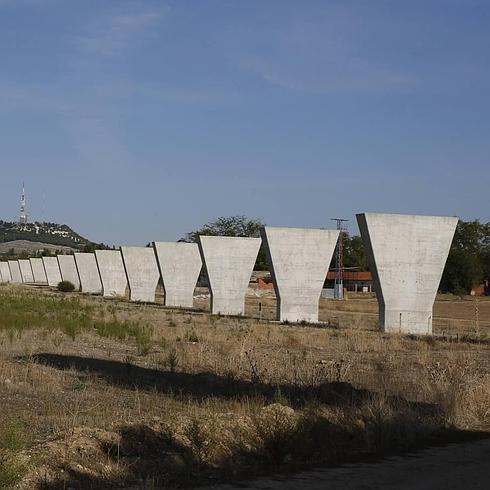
{"x": 455, "y": 466}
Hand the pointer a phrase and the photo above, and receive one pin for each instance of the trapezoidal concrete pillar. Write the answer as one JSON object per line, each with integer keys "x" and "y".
{"x": 15, "y": 271}
{"x": 5, "y": 272}
{"x": 112, "y": 272}
{"x": 407, "y": 255}
{"x": 299, "y": 259}
{"x": 26, "y": 270}
{"x": 142, "y": 273}
{"x": 180, "y": 265}
{"x": 38, "y": 271}
{"x": 52, "y": 269}
{"x": 88, "y": 272}
{"x": 229, "y": 263}
{"x": 69, "y": 271}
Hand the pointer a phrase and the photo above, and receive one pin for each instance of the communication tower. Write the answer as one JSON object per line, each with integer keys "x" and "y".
{"x": 23, "y": 212}
{"x": 339, "y": 259}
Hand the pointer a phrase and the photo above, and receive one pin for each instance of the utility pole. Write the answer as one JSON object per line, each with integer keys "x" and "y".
{"x": 339, "y": 259}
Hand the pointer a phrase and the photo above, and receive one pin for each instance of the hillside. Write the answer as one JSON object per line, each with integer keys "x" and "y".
{"x": 22, "y": 247}
{"x": 46, "y": 233}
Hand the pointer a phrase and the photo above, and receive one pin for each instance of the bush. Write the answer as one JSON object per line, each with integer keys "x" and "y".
{"x": 66, "y": 287}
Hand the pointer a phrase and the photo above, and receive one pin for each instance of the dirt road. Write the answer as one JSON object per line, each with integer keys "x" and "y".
{"x": 455, "y": 466}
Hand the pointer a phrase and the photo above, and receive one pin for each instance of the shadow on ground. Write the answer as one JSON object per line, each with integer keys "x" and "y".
{"x": 151, "y": 458}
{"x": 201, "y": 386}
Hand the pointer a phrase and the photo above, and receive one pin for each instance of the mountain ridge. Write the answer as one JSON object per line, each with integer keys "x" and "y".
{"x": 45, "y": 232}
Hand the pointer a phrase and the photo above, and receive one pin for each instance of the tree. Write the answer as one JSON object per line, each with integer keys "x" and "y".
{"x": 237, "y": 226}
{"x": 468, "y": 263}
{"x": 354, "y": 254}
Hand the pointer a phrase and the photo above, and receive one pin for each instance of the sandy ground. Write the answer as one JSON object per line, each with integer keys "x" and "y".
{"x": 455, "y": 466}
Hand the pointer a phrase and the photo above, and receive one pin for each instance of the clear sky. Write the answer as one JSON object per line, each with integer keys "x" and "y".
{"x": 141, "y": 120}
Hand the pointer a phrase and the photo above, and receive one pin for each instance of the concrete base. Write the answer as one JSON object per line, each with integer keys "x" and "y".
{"x": 69, "y": 271}
{"x": 299, "y": 260}
{"x": 26, "y": 271}
{"x": 16, "y": 276}
{"x": 38, "y": 271}
{"x": 88, "y": 273}
{"x": 142, "y": 273}
{"x": 52, "y": 269}
{"x": 229, "y": 263}
{"x": 112, "y": 273}
{"x": 180, "y": 265}
{"x": 406, "y": 255}
{"x": 5, "y": 272}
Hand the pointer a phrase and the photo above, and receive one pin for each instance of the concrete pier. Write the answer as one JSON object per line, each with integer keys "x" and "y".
{"x": 52, "y": 269}
{"x": 229, "y": 263}
{"x": 69, "y": 271}
{"x": 38, "y": 271}
{"x": 180, "y": 265}
{"x": 142, "y": 273}
{"x": 407, "y": 255}
{"x": 15, "y": 272}
{"x": 26, "y": 271}
{"x": 5, "y": 272}
{"x": 89, "y": 273}
{"x": 112, "y": 273}
{"x": 299, "y": 259}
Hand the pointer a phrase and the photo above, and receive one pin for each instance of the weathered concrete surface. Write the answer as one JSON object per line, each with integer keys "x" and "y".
{"x": 112, "y": 273}
{"x": 142, "y": 272}
{"x": 26, "y": 271}
{"x": 38, "y": 271}
{"x": 452, "y": 467}
{"x": 406, "y": 254}
{"x": 180, "y": 265}
{"x": 52, "y": 269}
{"x": 68, "y": 269}
{"x": 299, "y": 260}
{"x": 229, "y": 263}
{"x": 88, "y": 272}
{"x": 15, "y": 272}
{"x": 5, "y": 272}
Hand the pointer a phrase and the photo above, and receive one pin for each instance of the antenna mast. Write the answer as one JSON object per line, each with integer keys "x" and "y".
{"x": 339, "y": 259}
{"x": 23, "y": 213}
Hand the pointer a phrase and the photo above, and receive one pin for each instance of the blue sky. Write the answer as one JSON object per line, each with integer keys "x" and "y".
{"x": 141, "y": 120}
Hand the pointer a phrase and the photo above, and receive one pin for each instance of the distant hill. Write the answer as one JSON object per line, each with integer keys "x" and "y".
{"x": 42, "y": 233}
{"x": 23, "y": 247}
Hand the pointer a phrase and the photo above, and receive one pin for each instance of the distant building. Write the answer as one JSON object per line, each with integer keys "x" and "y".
{"x": 481, "y": 289}
{"x": 356, "y": 281}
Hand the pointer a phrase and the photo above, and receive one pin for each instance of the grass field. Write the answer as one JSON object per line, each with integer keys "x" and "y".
{"x": 102, "y": 393}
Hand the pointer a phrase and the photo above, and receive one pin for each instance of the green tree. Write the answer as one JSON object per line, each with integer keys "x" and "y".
{"x": 468, "y": 262}
{"x": 354, "y": 254}
{"x": 237, "y": 226}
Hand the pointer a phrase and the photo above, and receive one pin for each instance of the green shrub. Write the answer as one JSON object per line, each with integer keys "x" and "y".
{"x": 66, "y": 287}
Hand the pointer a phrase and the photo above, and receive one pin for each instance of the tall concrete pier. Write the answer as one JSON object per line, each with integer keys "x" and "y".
{"x": 5, "y": 271}
{"x": 406, "y": 255}
{"x": 38, "y": 271}
{"x": 180, "y": 265}
{"x": 52, "y": 269}
{"x": 142, "y": 273}
{"x": 112, "y": 273}
{"x": 69, "y": 271}
{"x": 26, "y": 271}
{"x": 229, "y": 263}
{"x": 15, "y": 272}
{"x": 299, "y": 260}
{"x": 89, "y": 273}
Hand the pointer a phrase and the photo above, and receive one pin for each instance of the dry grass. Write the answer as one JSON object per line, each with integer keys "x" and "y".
{"x": 112, "y": 393}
